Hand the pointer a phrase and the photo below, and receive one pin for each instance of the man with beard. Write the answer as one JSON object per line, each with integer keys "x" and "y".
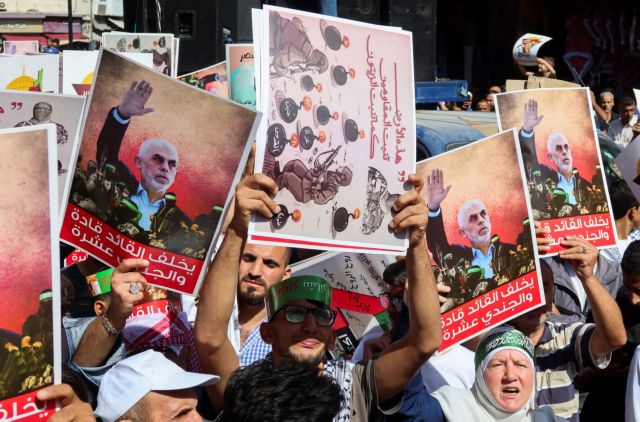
{"x": 486, "y": 252}
{"x": 300, "y": 314}
{"x": 559, "y": 153}
{"x": 157, "y": 159}
{"x": 261, "y": 267}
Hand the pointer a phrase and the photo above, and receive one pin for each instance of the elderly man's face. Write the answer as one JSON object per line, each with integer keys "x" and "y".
{"x": 606, "y": 103}
{"x": 477, "y": 226}
{"x": 41, "y": 112}
{"x": 560, "y": 155}
{"x": 158, "y": 167}
{"x": 509, "y": 377}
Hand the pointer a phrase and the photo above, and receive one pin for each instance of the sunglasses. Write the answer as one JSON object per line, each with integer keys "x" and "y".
{"x": 297, "y": 314}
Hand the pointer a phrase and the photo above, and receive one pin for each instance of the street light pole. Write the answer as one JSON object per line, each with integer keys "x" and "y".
{"x": 70, "y": 19}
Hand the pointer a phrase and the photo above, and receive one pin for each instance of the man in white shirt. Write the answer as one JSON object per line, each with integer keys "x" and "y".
{"x": 625, "y": 128}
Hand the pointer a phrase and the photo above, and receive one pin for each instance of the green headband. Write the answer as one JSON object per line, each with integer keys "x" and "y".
{"x": 45, "y": 296}
{"x": 303, "y": 287}
{"x": 503, "y": 339}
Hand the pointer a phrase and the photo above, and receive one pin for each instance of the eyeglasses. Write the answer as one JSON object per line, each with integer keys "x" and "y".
{"x": 296, "y": 314}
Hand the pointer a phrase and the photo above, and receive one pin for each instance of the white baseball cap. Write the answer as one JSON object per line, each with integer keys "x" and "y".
{"x": 132, "y": 378}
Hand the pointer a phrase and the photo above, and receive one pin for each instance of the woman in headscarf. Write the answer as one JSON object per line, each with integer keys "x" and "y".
{"x": 504, "y": 388}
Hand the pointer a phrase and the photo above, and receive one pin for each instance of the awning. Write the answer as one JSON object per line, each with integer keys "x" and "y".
{"x": 42, "y": 38}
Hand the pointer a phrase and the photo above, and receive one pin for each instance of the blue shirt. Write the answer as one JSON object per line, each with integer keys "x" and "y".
{"x": 254, "y": 348}
{"x": 567, "y": 186}
{"x": 483, "y": 261}
{"x": 146, "y": 208}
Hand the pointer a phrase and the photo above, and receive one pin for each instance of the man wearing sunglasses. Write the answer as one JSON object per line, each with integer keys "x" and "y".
{"x": 300, "y": 317}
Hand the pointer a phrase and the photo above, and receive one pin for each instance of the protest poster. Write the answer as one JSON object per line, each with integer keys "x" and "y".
{"x": 143, "y": 186}
{"x": 339, "y": 137}
{"x": 212, "y": 79}
{"x": 628, "y": 162}
{"x": 636, "y": 94}
{"x": 74, "y": 257}
{"x": 525, "y": 50}
{"x": 242, "y": 74}
{"x": 78, "y": 68}
{"x": 160, "y": 45}
{"x": 21, "y": 47}
{"x": 29, "y": 275}
{"x": 562, "y": 162}
{"x": 359, "y": 294}
{"x": 39, "y": 73}
{"x": 23, "y": 108}
{"x": 480, "y": 235}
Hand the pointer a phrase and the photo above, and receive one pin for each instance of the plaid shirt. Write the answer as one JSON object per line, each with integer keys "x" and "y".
{"x": 254, "y": 348}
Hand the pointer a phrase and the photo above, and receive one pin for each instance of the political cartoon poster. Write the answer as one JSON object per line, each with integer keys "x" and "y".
{"x": 242, "y": 74}
{"x": 160, "y": 45}
{"x": 481, "y": 236}
{"x": 562, "y": 162}
{"x": 34, "y": 108}
{"x": 21, "y": 47}
{"x": 359, "y": 294}
{"x": 39, "y": 72}
{"x": 143, "y": 185}
{"x": 78, "y": 68}
{"x": 30, "y": 318}
{"x": 212, "y": 79}
{"x": 525, "y": 50}
{"x": 339, "y": 137}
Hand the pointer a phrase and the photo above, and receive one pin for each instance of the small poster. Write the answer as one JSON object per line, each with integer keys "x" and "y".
{"x": 160, "y": 45}
{"x": 359, "y": 294}
{"x": 481, "y": 236}
{"x": 21, "y": 47}
{"x": 242, "y": 74}
{"x": 525, "y": 50}
{"x": 143, "y": 184}
{"x": 562, "y": 162}
{"x": 212, "y": 79}
{"x": 339, "y": 137}
{"x": 78, "y": 68}
{"x": 18, "y": 109}
{"x": 30, "y": 318}
{"x": 39, "y": 73}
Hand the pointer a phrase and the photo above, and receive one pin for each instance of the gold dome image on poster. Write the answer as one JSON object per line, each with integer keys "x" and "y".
{"x": 26, "y": 82}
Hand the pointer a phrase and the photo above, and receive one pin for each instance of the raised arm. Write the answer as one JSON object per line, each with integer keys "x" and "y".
{"x": 216, "y": 353}
{"x": 98, "y": 340}
{"x": 396, "y": 368}
{"x": 610, "y": 333}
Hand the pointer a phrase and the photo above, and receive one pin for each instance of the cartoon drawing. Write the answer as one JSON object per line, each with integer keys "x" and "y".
{"x": 322, "y": 115}
{"x": 379, "y": 201}
{"x": 339, "y": 75}
{"x": 279, "y": 220}
{"x": 291, "y": 49}
{"x": 340, "y": 219}
{"x": 528, "y": 44}
{"x": 288, "y": 108}
{"x": 306, "y": 82}
{"x": 304, "y": 138}
{"x": 350, "y": 129}
{"x": 332, "y": 36}
{"x": 27, "y": 83}
{"x": 318, "y": 183}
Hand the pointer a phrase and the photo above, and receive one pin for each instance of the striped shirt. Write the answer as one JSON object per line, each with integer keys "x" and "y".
{"x": 563, "y": 351}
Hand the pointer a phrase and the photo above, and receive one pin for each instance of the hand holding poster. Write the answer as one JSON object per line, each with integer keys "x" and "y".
{"x": 480, "y": 238}
{"x": 340, "y": 142}
{"x": 562, "y": 162}
{"x": 359, "y": 294}
{"x": 143, "y": 185}
{"x": 29, "y": 275}
{"x": 23, "y": 108}
{"x": 525, "y": 50}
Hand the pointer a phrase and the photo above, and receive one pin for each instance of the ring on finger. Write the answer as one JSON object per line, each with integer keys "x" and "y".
{"x": 134, "y": 288}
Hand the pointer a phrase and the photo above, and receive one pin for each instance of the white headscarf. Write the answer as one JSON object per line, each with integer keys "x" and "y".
{"x": 478, "y": 404}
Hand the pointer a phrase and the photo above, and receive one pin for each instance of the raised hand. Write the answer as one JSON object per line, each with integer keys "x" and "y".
{"x": 530, "y": 118}
{"x": 411, "y": 212}
{"x": 436, "y": 192}
{"x": 253, "y": 195}
{"x": 135, "y": 99}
